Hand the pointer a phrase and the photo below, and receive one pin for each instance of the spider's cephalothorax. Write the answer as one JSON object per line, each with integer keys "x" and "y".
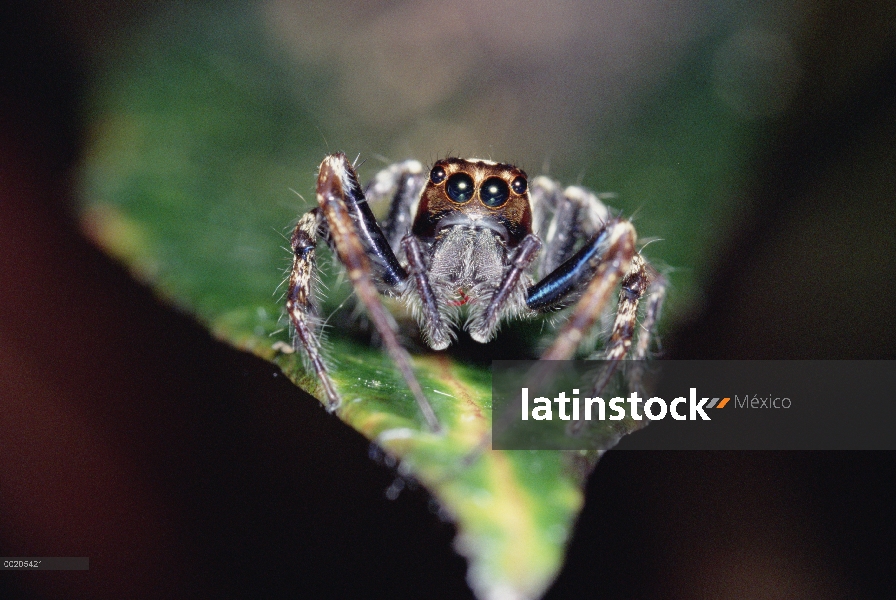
{"x": 464, "y": 245}
{"x": 472, "y": 217}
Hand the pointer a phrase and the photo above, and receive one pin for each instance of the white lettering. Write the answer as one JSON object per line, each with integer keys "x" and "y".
{"x": 674, "y": 412}
{"x": 698, "y": 408}
{"x": 542, "y": 413}
{"x": 616, "y": 407}
{"x": 561, "y": 401}
{"x": 634, "y": 399}
{"x": 525, "y": 404}
{"x": 601, "y": 408}
{"x": 649, "y": 413}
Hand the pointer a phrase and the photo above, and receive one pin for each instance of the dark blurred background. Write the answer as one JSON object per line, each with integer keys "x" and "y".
{"x": 184, "y": 468}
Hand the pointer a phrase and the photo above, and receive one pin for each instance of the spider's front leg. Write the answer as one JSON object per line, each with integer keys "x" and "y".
{"x": 608, "y": 259}
{"x": 609, "y": 255}
{"x": 404, "y": 182}
{"x": 597, "y": 268}
{"x": 366, "y": 255}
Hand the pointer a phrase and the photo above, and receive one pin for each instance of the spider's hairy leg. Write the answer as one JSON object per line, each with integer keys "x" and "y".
{"x": 640, "y": 278}
{"x": 300, "y": 300}
{"x": 402, "y": 182}
{"x": 643, "y": 280}
{"x": 484, "y": 326}
{"x": 338, "y": 192}
{"x": 563, "y": 218}
{"x": 657, "y": 290}
{"x": 634, "y": 285}
{"x": 615, "y": 263}
{"x": 545, "y": 195}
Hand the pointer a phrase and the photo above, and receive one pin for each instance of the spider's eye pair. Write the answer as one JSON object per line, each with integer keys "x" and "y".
{"x": 493, "y": 193}
{"x": 460, "y": 187}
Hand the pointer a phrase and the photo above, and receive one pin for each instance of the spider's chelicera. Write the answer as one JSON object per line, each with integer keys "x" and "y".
{"x": 471, "y": 243}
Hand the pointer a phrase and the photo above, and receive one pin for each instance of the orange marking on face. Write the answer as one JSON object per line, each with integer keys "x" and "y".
{"x": 463, "y": 299}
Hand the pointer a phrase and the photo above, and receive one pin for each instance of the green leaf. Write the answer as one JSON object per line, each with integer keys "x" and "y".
{"x": 199, "y": 130}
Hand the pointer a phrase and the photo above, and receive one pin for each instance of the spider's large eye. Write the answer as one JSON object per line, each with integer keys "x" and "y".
{"x": 519, "y": 185}
{"x": 437, "y": 175}
{"x": 460, "y": 187}
{"x": 494, "y": 192}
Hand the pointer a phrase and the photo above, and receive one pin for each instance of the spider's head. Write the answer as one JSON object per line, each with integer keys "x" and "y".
{"x": 475, "y": 193}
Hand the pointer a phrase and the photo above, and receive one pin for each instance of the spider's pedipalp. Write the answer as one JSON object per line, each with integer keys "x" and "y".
{"x": 484, "y": 325}
{"x": 436, "y": 331}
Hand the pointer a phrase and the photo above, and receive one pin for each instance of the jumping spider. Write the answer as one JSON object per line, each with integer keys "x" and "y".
{"x": 459, "y": 245}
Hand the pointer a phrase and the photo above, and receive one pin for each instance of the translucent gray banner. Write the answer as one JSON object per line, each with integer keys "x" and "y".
{"x": 694, "y": 405}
